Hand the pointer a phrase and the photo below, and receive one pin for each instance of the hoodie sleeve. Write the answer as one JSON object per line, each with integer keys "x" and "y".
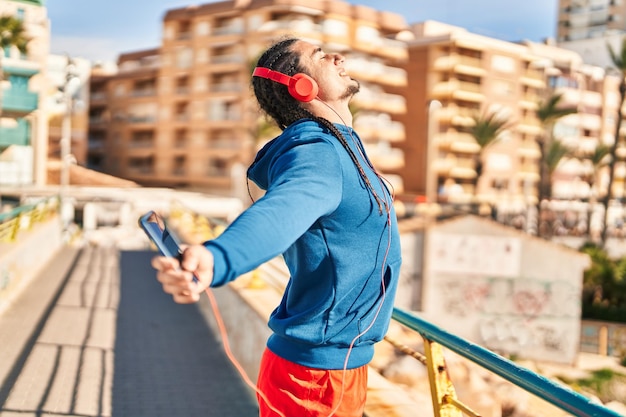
{"x": 304, "y": 184}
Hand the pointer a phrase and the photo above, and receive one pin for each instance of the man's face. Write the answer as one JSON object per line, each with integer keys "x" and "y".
{"x": 328, "y": 70}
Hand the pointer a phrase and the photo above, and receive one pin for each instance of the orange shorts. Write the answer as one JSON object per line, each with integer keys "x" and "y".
{"x": 298, "y": 391}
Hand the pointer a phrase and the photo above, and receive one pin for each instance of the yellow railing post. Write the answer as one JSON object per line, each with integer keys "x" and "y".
{"x": 441, "y": 388}
{"x": 17, "y": 221}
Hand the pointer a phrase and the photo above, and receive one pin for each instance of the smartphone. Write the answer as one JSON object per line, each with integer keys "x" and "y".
{"x": 154, "y": 226}
{"x": 163, "y": 239}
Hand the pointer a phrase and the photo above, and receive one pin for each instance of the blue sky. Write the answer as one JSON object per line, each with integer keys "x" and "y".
{"x": 100, "y": 30}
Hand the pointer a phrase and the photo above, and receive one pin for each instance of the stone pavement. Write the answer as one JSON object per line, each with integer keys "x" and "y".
{"x": 94, "y": 335}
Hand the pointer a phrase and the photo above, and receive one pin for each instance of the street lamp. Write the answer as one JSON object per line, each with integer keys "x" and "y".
{"x": 433, "y": 130}
{"x": 66, "y": 139}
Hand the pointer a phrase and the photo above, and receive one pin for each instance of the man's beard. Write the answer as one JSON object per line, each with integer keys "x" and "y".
{"x": 351, "y": 90}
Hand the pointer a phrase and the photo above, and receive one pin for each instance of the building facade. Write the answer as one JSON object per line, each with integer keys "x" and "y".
{"x": 23, "y": 125}
{"x": 455, "y": 76}
{"x": 183, "y": 114}
{"x": 587, "y": 27}
{"x": 584, "y": 19}
{"x": 34, "y": 103}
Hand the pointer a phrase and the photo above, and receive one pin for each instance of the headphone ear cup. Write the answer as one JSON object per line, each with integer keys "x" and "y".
{"x": 302, "y": 87}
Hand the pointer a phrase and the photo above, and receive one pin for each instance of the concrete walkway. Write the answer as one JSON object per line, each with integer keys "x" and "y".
{"x": 94, "y": 335}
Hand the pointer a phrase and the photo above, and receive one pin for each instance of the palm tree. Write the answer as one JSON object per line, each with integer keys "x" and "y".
{"x": 12, "y": 33}
{"x": 598, "y": 159}
{"x": 549, "y": 112}
{"x": 486, "y": 130}
{"x": 619, "y": 62}
{"x": 555, "y": 153}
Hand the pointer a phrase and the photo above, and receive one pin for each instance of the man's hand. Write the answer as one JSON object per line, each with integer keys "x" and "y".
{"x": 177, "y": 277}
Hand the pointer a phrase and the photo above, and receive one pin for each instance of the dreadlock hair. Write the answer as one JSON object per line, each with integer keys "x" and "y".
{"x": 275, "y": 100}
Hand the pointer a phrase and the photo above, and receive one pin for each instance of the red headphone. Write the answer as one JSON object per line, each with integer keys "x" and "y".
{"x": 301, "y": 86}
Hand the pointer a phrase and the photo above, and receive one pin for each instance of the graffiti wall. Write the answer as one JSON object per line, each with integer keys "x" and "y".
{"x": 480, "y": 288}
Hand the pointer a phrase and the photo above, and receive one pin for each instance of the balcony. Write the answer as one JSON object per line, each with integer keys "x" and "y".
{"x": 379, "y": 101}
{"x": 381, "y": 127}
{"x": 232, "y": 28}
{"x": 534, "y": 79}
{"x": 226, "y": 87}
{"x": 141, "y": 119}
{"x": 529, "y": 172}
{"x": 386, "y": 159}
{"x": 19, "y": 101}
{"x": 460, "y": 90}
{"x": 376, "y": 72}
{"x": 231, "y": 58}
{"x": 529, "y": 150}
{"x": 457, "y": 142}
{"x": 302, "y": 27}
{"x": 530, "y": 126}
{"x": 143, "y": 92}
{"x": 461, "y": 65}
{"x": 18, "y": 135}
{"x": 380, "y": 46}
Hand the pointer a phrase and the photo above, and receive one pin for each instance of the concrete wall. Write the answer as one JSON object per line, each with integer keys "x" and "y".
{"x": 21, "y": 260}
{"x": 507, "y": 291}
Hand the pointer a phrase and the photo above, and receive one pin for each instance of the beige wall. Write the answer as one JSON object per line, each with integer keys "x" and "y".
{"x": 21, "y": 260}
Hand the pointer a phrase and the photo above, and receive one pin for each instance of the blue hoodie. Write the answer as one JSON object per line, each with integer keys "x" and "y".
{"x": 318, "y": 213}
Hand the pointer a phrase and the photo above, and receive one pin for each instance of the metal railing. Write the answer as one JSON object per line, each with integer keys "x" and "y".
{"x": 23, "y": 218}
{"x": 443, "y": 394}
{"x": 444, "y": 397}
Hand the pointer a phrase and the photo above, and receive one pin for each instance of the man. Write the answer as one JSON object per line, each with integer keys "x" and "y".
{"x": 330, "y": 215}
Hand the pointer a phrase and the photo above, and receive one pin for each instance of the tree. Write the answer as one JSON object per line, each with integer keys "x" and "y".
{"x": 548, "y": 113}
{"x": 486, "y": 130}
{"x": 604, "y": 286}
{"x": 598, "y": 159}
{"x": 555, "y": 152}
{"x": 619, "y": 62}
{"x": 12, "y": 34}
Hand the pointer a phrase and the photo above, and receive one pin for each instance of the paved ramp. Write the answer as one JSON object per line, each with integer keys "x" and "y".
{"x": 94, "y": 335}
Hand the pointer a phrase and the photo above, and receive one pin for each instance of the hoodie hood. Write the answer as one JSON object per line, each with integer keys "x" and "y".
{"x": 259, "y": 171}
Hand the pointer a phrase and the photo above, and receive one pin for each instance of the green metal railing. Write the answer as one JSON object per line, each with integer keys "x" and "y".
{"x": 196, "y": 228}
{"x": 24, "y": 217}
{"x": 550, "y": 391}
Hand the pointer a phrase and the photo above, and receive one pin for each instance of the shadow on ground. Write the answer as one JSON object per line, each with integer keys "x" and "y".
{"x": 167, "y": 362}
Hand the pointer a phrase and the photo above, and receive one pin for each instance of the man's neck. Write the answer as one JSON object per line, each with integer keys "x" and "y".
{"x": 334, "y": 112}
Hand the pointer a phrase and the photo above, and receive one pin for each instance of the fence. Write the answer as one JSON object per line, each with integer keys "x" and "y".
{"x": 604, "y": 338}
{"x": 24, "y": 217}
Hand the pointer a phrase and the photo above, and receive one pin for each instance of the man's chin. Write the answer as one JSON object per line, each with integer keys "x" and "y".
{"x": 352, "y": 89}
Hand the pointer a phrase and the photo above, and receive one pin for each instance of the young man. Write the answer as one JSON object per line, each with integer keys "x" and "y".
{"x": 330, "y": 215}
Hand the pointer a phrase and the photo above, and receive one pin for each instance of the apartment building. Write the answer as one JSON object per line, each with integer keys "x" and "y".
{"x": 584, "y": 19}
{"x": 183, "y": 115}
{"x": 455, "y": 75}
{"x": 23, "y": 122}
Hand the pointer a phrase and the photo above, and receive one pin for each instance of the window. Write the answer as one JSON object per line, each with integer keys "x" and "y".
{"x": 560, "y": 82}
{"x": 119, "y": 90}
{"x": 366, "y": 33}
{"x": 503, "y": 88}
{"x": 335, "y": 27}
{"x": 255, "y": 22}
{"x": 179, "y": 165}
{"x": 203, "y": 28}
{"x": 503, "y": 63}
{"x": 184, "y": 58}
{"x": 222, "y": 110}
